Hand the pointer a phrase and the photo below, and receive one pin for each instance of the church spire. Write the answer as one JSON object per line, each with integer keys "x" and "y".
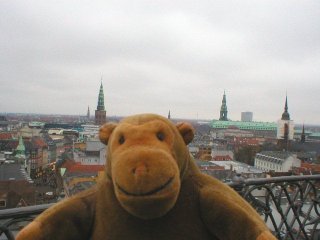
{"x": 88, "y": 113}
{"x": 303, "y": 135}
{"x": 285, "y": 129}
{"x": 100, "y": 106}
{"x": 224, "y": 109}
{"x": 21, "y": 149}
{"x": 100, "y": 113}
{"x": 285, "y": 114}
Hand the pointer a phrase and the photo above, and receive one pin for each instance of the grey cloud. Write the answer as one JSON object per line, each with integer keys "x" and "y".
{"x": 161, "y": 55}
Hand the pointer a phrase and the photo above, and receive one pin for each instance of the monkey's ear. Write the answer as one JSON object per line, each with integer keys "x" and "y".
{"x": 187, "y": 131}
{"x": 106, "y": 131}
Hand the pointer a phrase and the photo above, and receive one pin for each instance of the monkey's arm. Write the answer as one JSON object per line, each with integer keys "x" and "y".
{"x": 69, "y": 219}
{"x": 228, "y": 216}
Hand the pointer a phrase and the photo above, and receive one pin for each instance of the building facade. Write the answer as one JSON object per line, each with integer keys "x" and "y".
{"x": 246, "y": 116}
{"x": 94, "y": 154}
{"x": 258, "y": 129}
{"x": 276, "y": 161}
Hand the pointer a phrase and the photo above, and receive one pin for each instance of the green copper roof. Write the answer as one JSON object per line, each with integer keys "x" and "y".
{"x": 299, "y": 131}
{"x": 21, "y": 146}
{"x": 224, "y": 109}
{"x": 100, "y": 106}
{"x": 21, "y": 149}
{"x": 262, "y": 126}
{"x": 36, "y": 124}
{"x": 315, "y": 134}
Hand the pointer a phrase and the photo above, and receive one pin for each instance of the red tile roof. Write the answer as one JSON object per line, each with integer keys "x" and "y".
{"x": 215, "y": 167}
{"x": 12, "y": 144}
{"x": 85, "y": 168}
{"x": 68, "y": 163}
{"x": 39, "y": 142}
{"x": 310, "y": 166}
{"x": 222, "y": 158}
{"x": 247, "y": 141}
{"x": 6, "y": 136}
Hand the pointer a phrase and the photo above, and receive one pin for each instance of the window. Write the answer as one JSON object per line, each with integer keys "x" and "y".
{"x": 2, "y": 203}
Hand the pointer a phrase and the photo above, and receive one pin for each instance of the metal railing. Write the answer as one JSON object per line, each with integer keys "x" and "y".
{"x": 289, "y": 206}
{"x": 10, "y": 219}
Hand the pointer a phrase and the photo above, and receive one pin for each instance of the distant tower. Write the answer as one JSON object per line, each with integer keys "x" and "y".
{"x": 100, "y": 113}
{"x": 224, "y": 110}
{"x": 285, "y": 129}
{"x": 88, "y": 114}
{"x": 246, "y": 116}
{"x": 20, "y": 152}
{"x": 285, "y": 114}
{"x": 169, "y": 115}
{"x": 21, "y": 149}
{"x": 303, "y": 135}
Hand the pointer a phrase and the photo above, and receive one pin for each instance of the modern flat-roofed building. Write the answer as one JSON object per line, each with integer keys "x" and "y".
{"x": 246, "y": 116}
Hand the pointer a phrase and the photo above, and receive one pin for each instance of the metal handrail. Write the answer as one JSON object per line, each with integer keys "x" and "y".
{"x": 289, "y": 206}
{"x": 22, "y": 212}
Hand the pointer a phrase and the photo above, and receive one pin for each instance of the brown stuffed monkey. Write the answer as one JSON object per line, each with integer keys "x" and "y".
{"x": 151, "y": 189}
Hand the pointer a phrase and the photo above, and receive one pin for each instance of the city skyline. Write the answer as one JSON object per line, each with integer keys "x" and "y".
{"x": 159, "y": 56}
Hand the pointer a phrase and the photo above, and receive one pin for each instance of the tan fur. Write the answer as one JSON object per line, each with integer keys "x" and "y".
{"x": 265, "y": 236}
{"x": 152, "y": 189}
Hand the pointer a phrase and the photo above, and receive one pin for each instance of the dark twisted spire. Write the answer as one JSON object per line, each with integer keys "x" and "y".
{"x": 285, "y": 114}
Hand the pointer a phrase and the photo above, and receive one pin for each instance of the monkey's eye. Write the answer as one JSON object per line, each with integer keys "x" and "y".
{"x": 121, "y": 140}
{"x": 160, "y": 136}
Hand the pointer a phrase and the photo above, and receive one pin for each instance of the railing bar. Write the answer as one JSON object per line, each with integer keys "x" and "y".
{"x": 307, "y": 215}
{"x": 304, "y": 186}
{"x": 277, "y": 206}
{"x": 261, "y": 181}
{"x": 4, "y": 230}
{"x": 296, "y": 214}
{"x": 23, "y": 211}
{"x": 282, "y": 213}
{"x": 293, "y": 208}
{"x": 306, "y": 218}
{"x": 314, "y": 231}
{"x": 267, "y": 211}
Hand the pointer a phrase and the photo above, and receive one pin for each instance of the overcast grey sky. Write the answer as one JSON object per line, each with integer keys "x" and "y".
{"x": 163, "y": 55}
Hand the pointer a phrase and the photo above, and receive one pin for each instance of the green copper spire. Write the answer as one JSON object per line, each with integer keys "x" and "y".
{"x": 100, "y": 113}
{"x": 100, "y": 106}
{"x": 21, "y": 149}
{"x": 224, "y": 109}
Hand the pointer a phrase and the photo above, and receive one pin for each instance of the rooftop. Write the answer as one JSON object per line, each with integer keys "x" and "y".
{"x": 237, "y": 166}
{"x": 262, "y": 126}
{"x": 276, "y": 154}
{"x": 11, "y": 171}
{"x": 85, "y": 168}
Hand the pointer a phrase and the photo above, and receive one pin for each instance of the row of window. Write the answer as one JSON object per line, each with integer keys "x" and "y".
{"x": 267, "y": 165}
{"x": 3, "y": 203}
{"x": 89, "y": 160}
